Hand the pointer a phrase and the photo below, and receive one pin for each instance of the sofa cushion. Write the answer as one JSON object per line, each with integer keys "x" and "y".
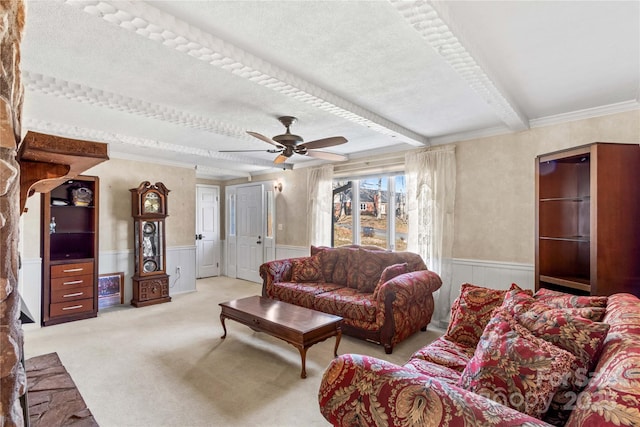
{"x": 389, "y": 273}
{"x": 348, "y": 303}
{"x": 434, "y": 370}
{"x": 471, "y": 312}
{"x": 345, "y": 268}
{"x": 328, "y": 258}
{"x": 307, "y": 269}
{"x": 562, "y": 300}
{"x": 513, "y": 367}
{"x": 445, "y": 353}
{"x": 521, "y": 303}
{"x": 300, "y": 293}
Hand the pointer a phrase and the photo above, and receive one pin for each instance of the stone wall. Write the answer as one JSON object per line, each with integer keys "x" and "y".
{"x": 12, "y": 372}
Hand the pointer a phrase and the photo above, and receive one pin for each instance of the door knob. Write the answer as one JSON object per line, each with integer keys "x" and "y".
{"x": 259, "y": 242}
{"x": 200, "y": 236}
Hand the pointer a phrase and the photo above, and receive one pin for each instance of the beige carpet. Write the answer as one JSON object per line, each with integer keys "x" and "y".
{"x": 165, "y": 365}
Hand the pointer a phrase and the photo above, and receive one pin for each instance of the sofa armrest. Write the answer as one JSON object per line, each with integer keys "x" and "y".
{"x": 361, "y": 390}
{"x": 275, "y": 271}
{"x": 410, "y": 285}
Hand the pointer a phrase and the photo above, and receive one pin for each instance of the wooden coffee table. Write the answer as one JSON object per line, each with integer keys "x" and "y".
{"x": 298, "y": 326}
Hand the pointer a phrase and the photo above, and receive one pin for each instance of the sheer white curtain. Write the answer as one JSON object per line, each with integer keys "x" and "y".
{"x": 319, "y": 183}
{"x": 431, "y": 192}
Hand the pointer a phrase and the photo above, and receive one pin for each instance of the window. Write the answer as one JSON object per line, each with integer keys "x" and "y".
{"x": 377, "y": 197}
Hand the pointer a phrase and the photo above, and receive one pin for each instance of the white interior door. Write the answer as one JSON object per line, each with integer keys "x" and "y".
{"x": 207, "y": 231}
{"x": 249, "y": 255}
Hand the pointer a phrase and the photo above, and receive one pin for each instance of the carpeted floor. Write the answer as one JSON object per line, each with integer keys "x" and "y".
{"x": 165, "y": 365}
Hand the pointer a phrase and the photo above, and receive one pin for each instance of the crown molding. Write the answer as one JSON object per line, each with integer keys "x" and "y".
{"x": 429, "y": 19}
{"x": 587, "y": 113}
{"x": 147, "y": 21}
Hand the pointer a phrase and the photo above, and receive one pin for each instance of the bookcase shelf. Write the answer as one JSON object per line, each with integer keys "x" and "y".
{"x": 587, "y": 227}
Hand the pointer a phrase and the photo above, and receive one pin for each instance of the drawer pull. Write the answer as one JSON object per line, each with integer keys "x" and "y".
{"x": 77, "y": 294}
{"x": 73, "y": 307}
{"x": 75, "y": 282}
{"x": 71, "y": 270}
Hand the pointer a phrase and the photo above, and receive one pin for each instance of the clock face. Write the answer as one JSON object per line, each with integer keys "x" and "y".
{"x": 149, "y": 266}
{"x": 151, "y": 203}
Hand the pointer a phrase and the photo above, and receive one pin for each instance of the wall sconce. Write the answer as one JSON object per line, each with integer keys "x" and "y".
{"x": 277, "y": 185}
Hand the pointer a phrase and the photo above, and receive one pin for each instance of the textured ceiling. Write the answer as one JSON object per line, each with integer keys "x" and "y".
{"x": 180, "y": 81}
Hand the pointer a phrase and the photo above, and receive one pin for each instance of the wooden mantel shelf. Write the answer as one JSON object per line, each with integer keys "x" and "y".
{"x": 46, "y": 161}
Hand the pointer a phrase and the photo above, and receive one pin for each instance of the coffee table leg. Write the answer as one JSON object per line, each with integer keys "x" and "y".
{"x": 223, "y": 326}
{"x": 303, "y": 356}
{"x": 338, "y": 336}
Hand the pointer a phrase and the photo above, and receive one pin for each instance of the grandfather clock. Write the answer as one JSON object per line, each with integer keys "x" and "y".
{"x": 149, "y": 210}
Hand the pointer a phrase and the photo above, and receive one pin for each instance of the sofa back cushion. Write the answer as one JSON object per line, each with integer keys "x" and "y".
{"x": 612, "y": 395}
{"x": 360, "y": 268}
{"x": 371, "y": 265}
{"x": 307, "y": 269}
{"x": 562, "y": 300}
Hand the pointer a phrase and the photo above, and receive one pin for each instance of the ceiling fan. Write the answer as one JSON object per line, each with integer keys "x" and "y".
{"x": 289, "y": 144}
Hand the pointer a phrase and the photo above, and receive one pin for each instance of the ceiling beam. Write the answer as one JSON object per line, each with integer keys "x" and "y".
{"x": 147, "y": 21}
{"x": 116, "y": 139}
{"x": 435, "y": 25}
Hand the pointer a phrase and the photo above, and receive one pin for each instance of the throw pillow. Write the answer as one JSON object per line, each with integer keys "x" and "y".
{"x": 581, "y": 337}
{"x": 471, "y": 312}
{"x": 389, "y": 273}
{"x": 306, "y": 269}
{"x": 515, "y": 368}
{"x": 562, "y": 300}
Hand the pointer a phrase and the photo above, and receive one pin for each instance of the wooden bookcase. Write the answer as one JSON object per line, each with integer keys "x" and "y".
{"x": 588, "y": 219}
{"x": 70, "y": 251}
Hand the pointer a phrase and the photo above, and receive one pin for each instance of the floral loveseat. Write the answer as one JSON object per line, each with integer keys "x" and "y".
{"x": 506, "y": 359}
{"x": 382, "y": 296}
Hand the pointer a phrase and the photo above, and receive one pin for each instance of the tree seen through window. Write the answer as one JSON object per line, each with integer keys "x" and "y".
{"x": 381, "y": 217}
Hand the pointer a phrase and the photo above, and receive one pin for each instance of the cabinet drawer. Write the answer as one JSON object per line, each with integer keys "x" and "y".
{"x": 66, "y": 270}
{"x": 154, "y": 289}
{"x": 64, "y": 295}
{"x": 71, "y": 282}
{"x": 71, "y": 307}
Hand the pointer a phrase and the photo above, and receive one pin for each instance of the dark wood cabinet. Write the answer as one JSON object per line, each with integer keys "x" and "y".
{"x": 70, "y": 251}
{"x": 588, "y": 219}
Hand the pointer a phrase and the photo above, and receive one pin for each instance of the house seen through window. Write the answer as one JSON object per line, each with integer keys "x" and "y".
{"x": 381, "y": 219}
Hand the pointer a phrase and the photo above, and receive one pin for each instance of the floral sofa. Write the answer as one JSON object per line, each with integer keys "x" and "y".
{"x": 508, "y": 358}
{"x": 382, "y": 296}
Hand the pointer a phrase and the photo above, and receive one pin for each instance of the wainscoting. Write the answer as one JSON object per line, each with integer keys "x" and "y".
{"x": 113, "y": 262}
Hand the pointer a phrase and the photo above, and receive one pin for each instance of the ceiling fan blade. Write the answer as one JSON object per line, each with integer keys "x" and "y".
{"x": 248, "y": 151}
{"x": 280, "y": 159}
{"x": 326, "y": 156}
{"x": 263, "y": 138}
{"x": 325, "y": 142}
